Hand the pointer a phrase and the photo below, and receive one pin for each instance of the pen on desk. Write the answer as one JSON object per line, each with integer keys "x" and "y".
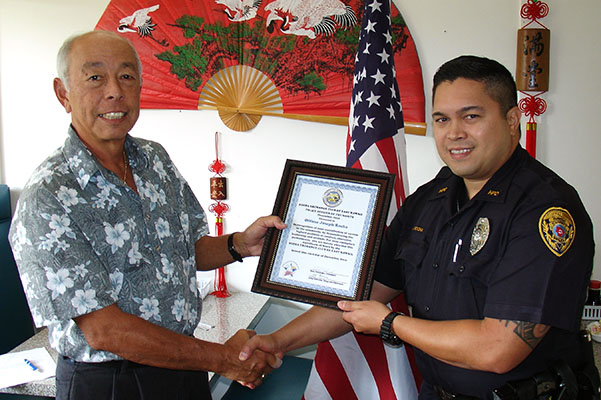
{"x": 457, "y": 247}
{"x": 31, "y": 365}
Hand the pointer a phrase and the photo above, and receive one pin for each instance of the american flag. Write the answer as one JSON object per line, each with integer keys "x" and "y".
{"x": 376, "y": 138}
{"x": 356, "y": 366}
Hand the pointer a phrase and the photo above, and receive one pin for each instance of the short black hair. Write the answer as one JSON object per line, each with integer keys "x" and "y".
{"x": 498, "y": 81}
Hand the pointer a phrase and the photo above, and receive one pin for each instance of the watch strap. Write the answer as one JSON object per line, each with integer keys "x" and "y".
{"x": 230, "y": 247}
{"x": 387, "y": 333}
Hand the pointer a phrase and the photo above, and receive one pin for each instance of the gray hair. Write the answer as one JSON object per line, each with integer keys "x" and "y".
{"x": 62, "y": 58}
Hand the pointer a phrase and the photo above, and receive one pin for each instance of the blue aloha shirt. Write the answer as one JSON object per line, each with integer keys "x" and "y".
{"x": 83, "y": 240}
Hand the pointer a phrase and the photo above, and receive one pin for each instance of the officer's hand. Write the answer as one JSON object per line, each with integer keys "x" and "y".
{"x": 248, "y": 372}
{"x": 365, "y": 316}
{"x": 250, "y": 242}
{"x": 265, "y": 343}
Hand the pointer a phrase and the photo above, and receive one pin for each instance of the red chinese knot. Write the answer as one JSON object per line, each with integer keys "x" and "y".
{"x": 534, "y": 10}
{"x": 218, "y": 192}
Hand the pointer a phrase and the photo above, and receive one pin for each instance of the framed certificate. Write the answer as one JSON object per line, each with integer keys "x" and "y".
{"x": 335, "y": 218}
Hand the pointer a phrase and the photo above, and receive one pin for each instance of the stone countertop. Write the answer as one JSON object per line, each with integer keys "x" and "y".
{"x": 221, "y": 318}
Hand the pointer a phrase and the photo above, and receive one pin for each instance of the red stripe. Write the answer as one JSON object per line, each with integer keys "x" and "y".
{"x": 332, "y": 373}
{"x": 388, "y": 150}
{"x": 375, "y": 355}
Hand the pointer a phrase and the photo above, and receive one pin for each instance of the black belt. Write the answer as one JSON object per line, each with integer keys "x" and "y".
{"x": 444, "y": 395}
{"x": 115, "y": 364}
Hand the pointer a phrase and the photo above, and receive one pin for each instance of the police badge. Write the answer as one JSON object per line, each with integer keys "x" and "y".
{"x": 557, "y": 229}
{"x": 479, "y": 235}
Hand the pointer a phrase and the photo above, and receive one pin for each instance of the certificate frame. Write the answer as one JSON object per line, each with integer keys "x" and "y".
{"x": 331, "y": 248}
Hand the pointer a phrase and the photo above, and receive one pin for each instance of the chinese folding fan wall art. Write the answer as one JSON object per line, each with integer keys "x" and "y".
{"x": 248, "y": 58}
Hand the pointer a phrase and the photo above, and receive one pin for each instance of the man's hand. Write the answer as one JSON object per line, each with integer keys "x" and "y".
{"x": 250, "y": 371}
{"x": 365, "y": 316}
{"x": 261, "y": 343}
{"x": 250, "y": 242}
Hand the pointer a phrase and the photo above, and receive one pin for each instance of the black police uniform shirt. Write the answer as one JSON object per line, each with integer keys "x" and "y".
{"x": 521, "y": 249}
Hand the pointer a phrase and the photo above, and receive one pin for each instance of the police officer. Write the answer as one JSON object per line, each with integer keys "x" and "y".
{"x": 494, "y": 254}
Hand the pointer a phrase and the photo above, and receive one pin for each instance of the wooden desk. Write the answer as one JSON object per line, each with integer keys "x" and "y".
{"x": 226, "y": 315}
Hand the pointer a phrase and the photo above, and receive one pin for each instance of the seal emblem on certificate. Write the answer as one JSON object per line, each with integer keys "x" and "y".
{"x": 335, "y": 218}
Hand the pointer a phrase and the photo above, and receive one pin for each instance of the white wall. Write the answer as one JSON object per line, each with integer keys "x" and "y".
{"x": 33, "y": 122}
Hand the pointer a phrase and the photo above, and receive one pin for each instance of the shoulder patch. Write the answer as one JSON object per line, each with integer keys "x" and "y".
{"x": 557, "y": 229}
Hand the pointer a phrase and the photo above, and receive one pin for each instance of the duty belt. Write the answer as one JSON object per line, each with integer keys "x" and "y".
{"x": 444, "y": 395}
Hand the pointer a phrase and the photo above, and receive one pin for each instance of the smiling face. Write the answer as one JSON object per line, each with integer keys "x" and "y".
{"x": 104, "y": 89}
{"x": 473, "y": 136}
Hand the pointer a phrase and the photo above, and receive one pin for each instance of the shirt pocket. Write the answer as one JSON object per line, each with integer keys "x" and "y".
{"x": 411, "y": 255}
{"x": 471, "y": 274}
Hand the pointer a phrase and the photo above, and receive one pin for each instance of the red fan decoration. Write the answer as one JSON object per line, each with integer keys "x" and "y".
{"x": 532, "y": 67}
{"x": 248, "y": 58}
{"x": 218, "y": 193}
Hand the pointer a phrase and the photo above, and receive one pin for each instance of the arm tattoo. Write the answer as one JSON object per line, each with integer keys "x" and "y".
{"x": 530, "y": 332}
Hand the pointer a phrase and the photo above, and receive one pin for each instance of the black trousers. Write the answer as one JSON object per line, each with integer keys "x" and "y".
{"x": 125, "y": 380}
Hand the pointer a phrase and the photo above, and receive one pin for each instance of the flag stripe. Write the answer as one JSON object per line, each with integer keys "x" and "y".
{"x": 403, "y": 372}
{"x": 332, "y": 373}
{"x": 375, "y": 354}
{"x": 353, "y": 365}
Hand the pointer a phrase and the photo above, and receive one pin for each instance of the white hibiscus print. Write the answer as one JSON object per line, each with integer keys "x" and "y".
{"x": 83, "y": 178}
{"x": 116, "y": 236}
{"x": 178, "y": 309}
{"x": 67, "y": 196}
{"x": 159, "y": 168}
{"x": 80, "y": 270}
{"x": 134, "y": 253}
{"x": 168, "y": 266}
{"x": 58, "y": 282}
{"x": 117, "y": 283}
{"x": 60, "y": 224}
{"x": 19, "y": 240}
{"x": 150, "y": 309}
{"x": 84, "y": 300}
{"x": 162, "y": 228}
{"x": 74, "y": 161}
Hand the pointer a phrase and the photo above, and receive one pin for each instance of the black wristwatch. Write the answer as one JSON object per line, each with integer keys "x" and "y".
{"x": 386, "y": 331}
{"x": 230, "y": 247}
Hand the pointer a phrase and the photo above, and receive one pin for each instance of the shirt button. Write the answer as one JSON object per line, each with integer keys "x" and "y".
{"x": 427, "y": 308}
{"x": 461, "y": 269}
{"x": 158, "y": 248}
{"x": 147, "y": 217}
{"x": 435, "y": 265}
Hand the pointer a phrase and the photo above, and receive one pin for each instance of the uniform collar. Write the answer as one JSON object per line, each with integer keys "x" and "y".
{"x": 83, "y": 164}
{"x": 495, "y": 190}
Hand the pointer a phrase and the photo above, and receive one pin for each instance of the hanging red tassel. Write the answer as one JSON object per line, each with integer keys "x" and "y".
{"x": 218, "y": 193}
{"x": 532, "y": 106}
{"x": 531, "y": 138}
{"x": 532, "y": 66}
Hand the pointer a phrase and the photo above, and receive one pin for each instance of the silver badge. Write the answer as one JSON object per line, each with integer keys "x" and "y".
{"x": 479, "y": 235}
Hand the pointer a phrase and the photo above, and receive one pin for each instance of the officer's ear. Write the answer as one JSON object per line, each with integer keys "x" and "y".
{"x": 514, "y": 116}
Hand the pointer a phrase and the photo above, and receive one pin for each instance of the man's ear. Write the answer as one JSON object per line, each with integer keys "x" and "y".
{"x": 514, "y": 116}
{"x": 62, "y": 94}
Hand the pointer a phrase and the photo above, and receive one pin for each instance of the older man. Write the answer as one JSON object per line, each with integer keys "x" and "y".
{"x": 494, "y": 256}
{"x": 108, "y": 235}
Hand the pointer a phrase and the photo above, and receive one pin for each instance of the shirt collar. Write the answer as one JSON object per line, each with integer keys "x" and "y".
{"x": 495, "y": 190}
{"x": 83, "y": 164}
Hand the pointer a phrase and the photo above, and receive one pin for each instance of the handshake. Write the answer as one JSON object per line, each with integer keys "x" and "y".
{"x": 249, "y": 357}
